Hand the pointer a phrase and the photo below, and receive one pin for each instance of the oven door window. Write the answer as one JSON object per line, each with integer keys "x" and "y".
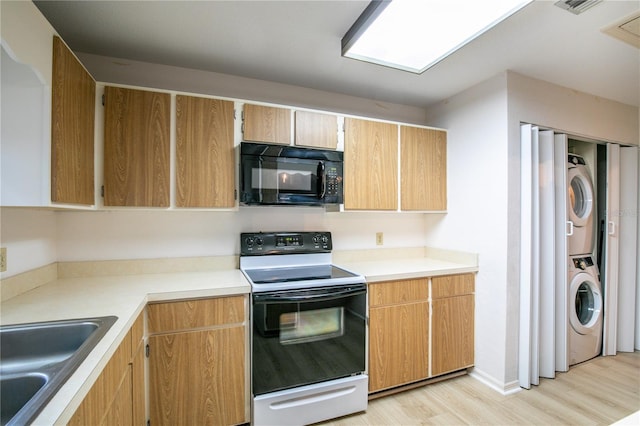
{"x": 306, "y": 337}
{"x": 311, "y": 326}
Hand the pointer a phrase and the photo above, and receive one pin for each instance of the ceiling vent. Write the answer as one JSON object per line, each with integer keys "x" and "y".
{"x": 576, "y": 6}
{"x": 626, "y": 29}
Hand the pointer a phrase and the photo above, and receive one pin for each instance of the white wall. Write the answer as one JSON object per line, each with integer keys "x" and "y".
{"x": 144, "y": 74}
{"x": 477, "y": 167}
{"x": 30, "y": 238}
{"x": 138, "y": 234}
{"x": 483, "y": 125}
{"x": 131, "y": 234}
{"x": 574, "y": 113}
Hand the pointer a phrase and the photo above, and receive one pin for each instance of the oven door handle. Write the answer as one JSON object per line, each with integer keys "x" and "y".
{"x": 303, "y": 296}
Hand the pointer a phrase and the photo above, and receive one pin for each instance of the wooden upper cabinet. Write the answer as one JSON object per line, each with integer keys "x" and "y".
{"x": 423, "y": 181}
{"x": 136, "y": 147}
{"x": 370, "y": 165}
{"x": 72, "y": 129}
{"x": 267, "y": 124}
{"x": 205, "y": 166}
{"x": 316, "y": 130}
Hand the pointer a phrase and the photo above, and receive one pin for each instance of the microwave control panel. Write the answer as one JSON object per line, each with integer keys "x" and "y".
{"x": 334, "y": 181}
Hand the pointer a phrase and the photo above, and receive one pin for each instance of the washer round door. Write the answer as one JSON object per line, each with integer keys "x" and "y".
{"x": 580, "y": 196}
{"x": 585, "y": 312}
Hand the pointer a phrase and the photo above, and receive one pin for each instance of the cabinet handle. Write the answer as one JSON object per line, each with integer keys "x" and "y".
{"x": 570, "y": 233}
{"x": 612, "y": 228}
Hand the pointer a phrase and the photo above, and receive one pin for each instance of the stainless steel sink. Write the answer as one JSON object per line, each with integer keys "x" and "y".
{"x": 36, "y": 360}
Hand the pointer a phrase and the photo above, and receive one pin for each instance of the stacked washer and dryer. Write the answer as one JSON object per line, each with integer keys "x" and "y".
{"x": 584, "y": 291}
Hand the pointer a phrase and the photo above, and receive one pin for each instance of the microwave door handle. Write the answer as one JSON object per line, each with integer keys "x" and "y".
{"x": 322, "y": 185}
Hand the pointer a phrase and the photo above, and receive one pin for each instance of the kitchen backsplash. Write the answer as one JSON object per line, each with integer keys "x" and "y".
{"x": 35, "y": 238}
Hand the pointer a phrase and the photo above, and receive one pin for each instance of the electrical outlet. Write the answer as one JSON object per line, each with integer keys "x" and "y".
{"x": 3, "y": 259}
{"x": 379, "y": 238}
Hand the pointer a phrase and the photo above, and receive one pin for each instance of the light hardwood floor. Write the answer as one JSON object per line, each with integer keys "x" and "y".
{"x": 597, "y": 392}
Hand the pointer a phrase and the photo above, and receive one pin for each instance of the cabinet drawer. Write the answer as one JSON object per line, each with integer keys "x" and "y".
{"x": 452, "y": 285}
{"x": 196, "y": 313}
{"x": 394, "y": 292}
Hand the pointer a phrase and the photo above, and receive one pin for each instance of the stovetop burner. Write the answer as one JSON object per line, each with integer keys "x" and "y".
{"x": 292, "y": 274}
{"x": 288, "y": 260}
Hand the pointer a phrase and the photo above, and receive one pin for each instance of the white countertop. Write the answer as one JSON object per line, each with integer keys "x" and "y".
{"x": 122, "y": 296}
{"x": 125, "y": 296}
{"x": 402, "y": 269}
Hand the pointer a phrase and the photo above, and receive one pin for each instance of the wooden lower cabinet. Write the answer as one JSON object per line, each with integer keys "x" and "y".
{"x": 398, "y": 344}
{"x": 115, "y": 396}
{"x": 452, "y": 346}
{"x": 419, "y": 329}
{"x": 121, "y": 409}
{"x": 197, "y": 362}
{"x": 398, "y": 333}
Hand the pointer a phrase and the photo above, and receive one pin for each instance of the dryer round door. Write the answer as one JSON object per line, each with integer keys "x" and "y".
{"x": 580, "y": 196}
{"x": 585, "y": 312}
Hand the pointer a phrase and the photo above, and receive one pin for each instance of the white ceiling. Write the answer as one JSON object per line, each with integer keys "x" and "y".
{"x": 298, "y": 43}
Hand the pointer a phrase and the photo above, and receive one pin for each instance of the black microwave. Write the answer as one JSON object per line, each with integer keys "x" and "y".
{"x": 288, "y": 175}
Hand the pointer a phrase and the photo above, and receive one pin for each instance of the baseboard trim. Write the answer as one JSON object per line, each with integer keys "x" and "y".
{"x": 402, "y": 388}
{"x": 500, "y": 387}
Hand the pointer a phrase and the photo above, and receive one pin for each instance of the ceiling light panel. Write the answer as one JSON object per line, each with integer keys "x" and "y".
{"x": 414, "y": 35}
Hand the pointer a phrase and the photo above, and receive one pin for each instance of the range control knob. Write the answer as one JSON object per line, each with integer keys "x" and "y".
{"x": 259, "y": 241}
{"x": 325, "y": 239}
{"x": 249, "y": 241}
{"x": 316, "y": 238}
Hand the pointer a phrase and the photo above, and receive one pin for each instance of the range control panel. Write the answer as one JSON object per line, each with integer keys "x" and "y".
{"x": 261, "y": 243}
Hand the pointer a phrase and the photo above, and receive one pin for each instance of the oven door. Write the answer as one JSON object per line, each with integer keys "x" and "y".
{"x": 301, "y": 337}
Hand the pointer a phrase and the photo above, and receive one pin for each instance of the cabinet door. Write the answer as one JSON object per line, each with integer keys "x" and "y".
{"x": 423, "y": 168}
{"x": 316, "y": 130}
{"x": 136, "y": 148}
{"x": 267, "y": 124}
{"x": 72, "y": 129}
{"x": 197, "y": 377}
{"x": 105, "y": 401}
{"x": 121, "y": 408}
{"x": 205, "y": 167}
{"x": 370, "y": 165}
{"x": 137, "y": 372}
{"x": 453, "y": 334}
{"x": 398, "y": 345}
